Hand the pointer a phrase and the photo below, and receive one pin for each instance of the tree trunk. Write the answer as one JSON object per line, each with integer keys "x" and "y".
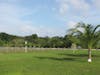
{"x": 89, "y": 55}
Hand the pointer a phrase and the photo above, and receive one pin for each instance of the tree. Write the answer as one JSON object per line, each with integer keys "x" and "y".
{"x": 67, "y": 41}
{"x": 32, "y": 39}
{"x": 88, "y": 35}
{"x": 44, "y": 42}
{"x": 17, "y": 42}
{"x": 56, "y": 42}
{"x": 6, "y": 39}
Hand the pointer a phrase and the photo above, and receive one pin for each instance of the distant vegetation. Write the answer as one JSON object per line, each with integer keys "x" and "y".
{"x": 33, "y": 40}
{"x": 68, "y": 41}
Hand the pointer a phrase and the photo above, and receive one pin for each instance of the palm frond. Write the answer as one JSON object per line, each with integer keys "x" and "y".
{"x": 90, "y": 35}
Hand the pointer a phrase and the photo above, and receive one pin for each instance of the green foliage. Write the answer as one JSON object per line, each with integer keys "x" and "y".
{"x": 56, "y": 42}
{"x": 98, "y": 45}
{"x": 67, "y": 42}
{"x": 17, "y": 42}
{"x": 86, "y": 35}
{"x": 33, "y": 40}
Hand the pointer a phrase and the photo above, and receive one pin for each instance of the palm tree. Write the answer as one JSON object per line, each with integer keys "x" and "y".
{"x": 88, "y": 35}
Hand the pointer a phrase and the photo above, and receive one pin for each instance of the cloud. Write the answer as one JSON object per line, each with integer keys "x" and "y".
{"x": 20, "y": 19}
{"x": 71, "y": 24}
{"x": 96, "y": 3}
{"x": 11, "y": 18}
{"x": 70, "y": 6}
{"x": 80, "y": 5}
{"x": 41, "y": 31}
{"x": 63, "y": 8}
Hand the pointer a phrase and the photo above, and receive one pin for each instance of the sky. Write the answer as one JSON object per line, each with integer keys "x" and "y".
{"x": 46, "y": 17}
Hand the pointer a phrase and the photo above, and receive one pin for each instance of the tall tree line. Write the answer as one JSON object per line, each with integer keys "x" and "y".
{"x": 7, "y": 40}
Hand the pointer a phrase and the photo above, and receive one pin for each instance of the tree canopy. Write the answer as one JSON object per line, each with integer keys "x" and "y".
{"x": 7, "y": 40}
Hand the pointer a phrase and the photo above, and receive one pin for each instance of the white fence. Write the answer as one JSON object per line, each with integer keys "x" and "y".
{"x": 24, "y": 49}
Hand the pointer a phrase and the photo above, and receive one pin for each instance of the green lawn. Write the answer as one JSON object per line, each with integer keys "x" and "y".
{"x": 49, "y": 63}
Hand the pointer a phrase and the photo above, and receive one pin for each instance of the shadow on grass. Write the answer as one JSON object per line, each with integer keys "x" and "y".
{"x": 79, "y": 55}
{"x": 68, "y": 57}
{"x": 55, "y": 58}
{"x": 75, "y": 55}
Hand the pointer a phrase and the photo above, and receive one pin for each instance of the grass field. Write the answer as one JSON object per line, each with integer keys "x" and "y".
{"x": 49, "y": 63}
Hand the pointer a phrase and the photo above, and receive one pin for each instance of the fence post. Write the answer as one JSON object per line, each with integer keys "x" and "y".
{"x": 25, "y": 46}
